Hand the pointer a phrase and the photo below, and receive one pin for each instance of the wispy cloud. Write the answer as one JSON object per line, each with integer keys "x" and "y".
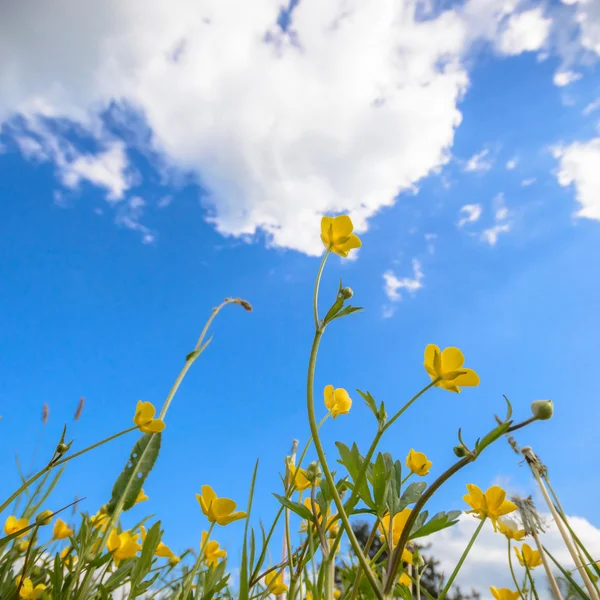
{"x": 512, "y": 163}
{"x": 527, "y": 182}
{"x": 479, "y": 162}
{"x": 564, "y": 78}
{"x": 471, "y": 214}
{"x": 129, "y": 214}
{"x": 501, "y": 225}
{"x": 394, "y": 286}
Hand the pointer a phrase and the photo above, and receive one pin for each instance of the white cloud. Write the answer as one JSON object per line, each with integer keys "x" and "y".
{"x": 129, "y": 214}
{"x": 512, "y": 163}
{"x": 527, "y": 182}
{"x": 487, "y": 563}
{"x": 165, "y": 201}
{"x": 591, "y": 107}
{"x": 587, "y": 16}
{"x": 579, "y": 165}
{"x": 501, "y": 225}
{"x": 393, "y": 285}
{"x": 524, "y": 32}
{"x": 471, "y": 213}
{"x": 478, "y": 162}
{"x": 430, "y": 239}
{"x": 490, "y": 235}
{"x": 563, "y": 78}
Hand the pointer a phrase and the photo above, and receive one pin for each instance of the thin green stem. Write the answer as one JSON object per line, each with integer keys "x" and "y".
{"x": 461, "y": 561}
{"x": 512, "y": 571}
{"x": 368, "y": 545}
{"x": 531, "y": 581}
{"x": 189, "y": 581}
{"x": 316, "y": 293}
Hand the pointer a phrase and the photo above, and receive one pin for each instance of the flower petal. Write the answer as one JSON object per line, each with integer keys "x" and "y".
{"x": 329, "y": 399}
{"x": 342, "y": 228}
{"x": 431, "y": 352}
{"x": 467, "y": 377}
{"x": 452, "y": 359}
{"x": 494, "y": 497}
{"x": 351, "y": 243}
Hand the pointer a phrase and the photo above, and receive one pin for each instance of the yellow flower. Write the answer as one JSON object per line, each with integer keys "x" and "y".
{"x": 504, "y": 594}
{"x": 298, "y": 476}
{"x": 12, "y": 525}
{"x": 331, "y": 523}
{"x": 275, "y": 583}
{"x": 448, "y": 366}
{"x": 173, "y": 561}
{"x": 162, "y": 550}
{"x": 417, "y": 462}
{"x": 528, "y": 557}
{"x": 44, "y": 518}
{"x": 28, "y": 592}
{"x": 123, "y": 545}
{"x": 141, "y": 497}
{"x": 397, "y": 527}
{"x": 337, "y": 593}
{"x": 218, "y": 510}
{"x": 511, "y": 529}
{"x": 212, "y": 552}
{"x": 100, "y": 520}
{"x": 61, "y": 530}
{"x": 405, "y": 579}
{"x": 22, "y": 546}
{"x": 337, "y": 236}
{"x": 144, "y": 418}
{"x": 492, "y": 504}
{"x": 338, "y": 401}
{"x": 68, "y": 557}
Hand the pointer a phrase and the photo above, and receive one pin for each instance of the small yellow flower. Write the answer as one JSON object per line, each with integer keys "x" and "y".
{"x": 528, "y": 557}
{"x": 331, "y": 523}
{"x": 44, "y": 518}
{"x": 141, "y": 497}
{"x": 417, "y": 462}
{"x": 218, "y": 510}
{"x": 144, "y": 418}
{"x": 337, "y": 593}
{"x": 298, "y": 476}
{"x": 511, "y": 530}
{"x": 275, "y": 583}
{"x": 61, "y": 530}
{"x": 405, "y": 579}
{"x": 337, "y": 236}
{"x": 12, "y": 525}
{"x": 68, "y": 557}
{"x": 338, "y": 401}
{"x": 448, "y": 367}
{"x": 504, "y": 594}
{"x": 123, "y": 545}
{"x": 174, "y": 561}
{"x": 28, "y": 592}
{"x": 212, "y": 552}
{"x": 100, "y": 520}
{"x": 492, "y": 504}
{"x": 162, "y": 550}
{"x": 398, "y": 525}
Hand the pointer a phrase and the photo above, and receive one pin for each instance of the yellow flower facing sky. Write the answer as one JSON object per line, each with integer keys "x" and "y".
{"x": 337, "y": 401}
{"x": 123, "y": 545}
{"x": 298, "y": 477}
{"x": 398, "y": 525}
{"x": 405, "y": 579}
{"x": 28, "y": 592}
{"x": 61, "y": 530}
{"x": 510, "y": 529}
{"x": 144, "y": 418}
{"x": 12, "y": 525}
{"x": 337, "y": 236}
{"x": 162, "y": 550}
{"x": 100, "y": 520}
{"x": 417, "y": 462}
{"x": 212, "y": 552}
{"x": 492, "y": 504}
{"x": 275, "y": 583}
{"x": 218, "y": 510}
{"x": 504, "y": 594}
{"x": 448, "y": 367}
{"x": 528, "y": 557}
{"x": 331, "y": 524}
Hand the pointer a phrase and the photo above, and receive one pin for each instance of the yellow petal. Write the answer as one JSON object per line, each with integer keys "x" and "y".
{"x": 452, "y": 359}
{"x": 475, "y": 494}
{"x": 326, "y": 227}
{"x": 432, "y": 354}
{"x": 351, "y": 243}
{"x": 208, "y": 494}
{"x": 494, "y": 497}
{"x": 342, "y": 229}
{"x": 466, "y": 378}
{"x": 328, "y": 396}
{"x": 223, "y": 506}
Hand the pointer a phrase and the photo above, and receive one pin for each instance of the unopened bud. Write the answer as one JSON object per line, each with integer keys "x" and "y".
{"x": 22, "y": 546}
{"x": 347, "y": 293}
{"x": 418, "y": 560}
{"x": 542, "y": 409}
{"x": 313, "y": 472}
{"x": 173, "y": 561}
{"x": 459, "y": 451}
{"x": 36, "y": 571}
{"x": 61, "y": 448}
{"x": 44, "y": 517}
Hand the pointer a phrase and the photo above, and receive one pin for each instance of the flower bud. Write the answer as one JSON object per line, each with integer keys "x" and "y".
{"x": 36, "y": 571}
{"x": 459, "y": 451}
{"x": 44, "y": 517}
{"x": 173, "y": 561}
{"x": 61, "y": 448}
{"x": 542, "y": 409}
{"x": 22, "y": 546}
{"x": 347, "y": 293}
{"x": 418, "y": 560}
{"x": 313, "y": 472}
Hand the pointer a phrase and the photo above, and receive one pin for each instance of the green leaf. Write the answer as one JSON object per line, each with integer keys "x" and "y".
{"x": 353, "y": 461}
{"x": 144, "y": 563}
{"x": 130, "y": 481}
{"x": 245, "y": 570}
{"x": 57, "y": 577}
{"x": 440, "y": 521}
{"x": 370, "y": 402}
{"x": 492, "y": 436}
{"x": 345, "y": 312}
{"x": 412, "y": 494}
{"x": 380, "y": 480}
{"x": 296, "y": 507}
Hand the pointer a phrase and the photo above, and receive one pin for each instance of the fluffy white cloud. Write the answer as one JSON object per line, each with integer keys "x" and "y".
{"x": 471, "y": 213}
{"x": 393, "y": 286}
{"x": 524, "y": 32}
{"x": 487, "y": 563}
{"x": 578, "y": 165}
{"x": 563, "y": 78}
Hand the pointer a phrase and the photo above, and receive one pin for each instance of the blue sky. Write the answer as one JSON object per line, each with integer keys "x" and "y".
{"x": 103, "y": 295}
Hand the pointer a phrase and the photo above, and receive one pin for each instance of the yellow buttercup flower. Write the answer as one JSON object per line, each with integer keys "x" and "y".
{"x": 504, "y": 594}
{"x": 68, "y": 557}
{"x": 337, "y": 593}
{"x": 44, "y": 518}
{"x": 448, "y": 367}
{"x": 338, "y": 401}
{"x": 100, "y": 520}
{"x": 331, "y": 522}
{"x": 218, "y": 510}
{"x": 12, "y": 525}
{"x": 123, "y": 545}
{"x": 511, "y": 530}
{"x": 398, "y": 525}
{"x": 28, "y": 592}
{"x": 141, "y": 497}
{"x": 417, "y": 462}
{"x": 492, "y": 504}
{"x": 275, "y": 583}
{"x": 212, "y": 552}
{"x": 298, "y": 476}
{"x": 405, "y": 579}
{"x": 162, "y": 550}
{"x": 528, "y": 557}
{"x": 144, "y": 418}
{"x": 337, "y": 236}
{"x": 61, "y": 530}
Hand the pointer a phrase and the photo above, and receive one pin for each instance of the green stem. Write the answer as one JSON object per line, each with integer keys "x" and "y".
{"x": 368, "y": 545}
{"x": 316, "y": 292}
{"x": 462, "y": 560}
{"x": 531, "y": 581}
{"x": 189, "y": 581}
{"x": 512, "y": 571}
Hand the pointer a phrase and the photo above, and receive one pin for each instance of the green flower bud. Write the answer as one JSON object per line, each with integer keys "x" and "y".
{"x": 347, "y": 293}
{"x": 313, "y": 472}
{"x": 44, "y": 517}
{"x": 459, "y": 451}
{"x": 22, "y": 546}
{"x": 61, "y": 448}
{"x": 542, "y": 409}
{"x": 36, "y": 571}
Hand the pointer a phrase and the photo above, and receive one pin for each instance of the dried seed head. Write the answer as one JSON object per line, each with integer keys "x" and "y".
{"x": 79, "y": 408}
{"x": 243, "y": 303}
{"x": 45, "y": 413}
{"x": 531, "y": 519}
{"x": 535, "y": 464}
